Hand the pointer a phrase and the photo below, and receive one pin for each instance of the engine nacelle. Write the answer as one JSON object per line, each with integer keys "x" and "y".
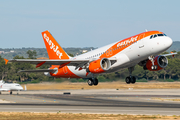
{"x": 99, "y": 66}
{"x": 159, "y": 61}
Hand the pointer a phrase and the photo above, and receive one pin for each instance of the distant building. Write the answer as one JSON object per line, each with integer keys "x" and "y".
{"x": 1, "y": 52}
{"x": 12, "y": 51}
{"x": 84, "y": 51}
{"x": 6, "y": 52}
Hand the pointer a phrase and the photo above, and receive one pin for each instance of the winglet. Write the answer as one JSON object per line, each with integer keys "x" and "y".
{"x": 173, "y": 53}
{"x": 6, "y": 61}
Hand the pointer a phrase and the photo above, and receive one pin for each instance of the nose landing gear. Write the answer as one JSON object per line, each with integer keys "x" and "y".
{"x": 153, "y": 67}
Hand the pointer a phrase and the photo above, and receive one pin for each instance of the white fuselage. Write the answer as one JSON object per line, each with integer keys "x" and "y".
{"x": 10, "y": 87}
{"x": 128, "y": 57}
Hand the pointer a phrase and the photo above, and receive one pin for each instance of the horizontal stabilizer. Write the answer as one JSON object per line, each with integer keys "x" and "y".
{"x": 41, "y": 70}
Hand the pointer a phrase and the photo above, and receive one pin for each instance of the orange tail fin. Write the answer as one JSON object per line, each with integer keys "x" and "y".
{"x": 54, "y": 50}
{"x": 6, "y": 60}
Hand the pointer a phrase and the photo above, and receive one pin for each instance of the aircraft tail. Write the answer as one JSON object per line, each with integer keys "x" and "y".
{"x": 54, "y": 50}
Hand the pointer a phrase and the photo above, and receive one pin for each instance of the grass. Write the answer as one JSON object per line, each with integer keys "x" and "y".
{"x": 165, "y": 99}
{"x": 80, "y": 116}
{"x": 103, "y": 85}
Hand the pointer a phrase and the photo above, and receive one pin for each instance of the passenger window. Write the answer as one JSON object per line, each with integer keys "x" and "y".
{"x": 151, "y": 36}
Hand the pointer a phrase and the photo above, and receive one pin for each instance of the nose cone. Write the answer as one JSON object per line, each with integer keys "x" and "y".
{"x": 20, "y": 88}
{"x": 168, "y": 42}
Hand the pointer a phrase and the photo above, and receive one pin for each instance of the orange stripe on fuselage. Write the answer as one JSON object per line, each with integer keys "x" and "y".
{"x": 123, "y": 44}
{"x": 63, "y": 72}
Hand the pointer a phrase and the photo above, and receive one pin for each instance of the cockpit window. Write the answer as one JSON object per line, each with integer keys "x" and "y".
{"x": 155, "y": 35}
{"x": 151, "y": 37}
{"x": 160, "y": 34}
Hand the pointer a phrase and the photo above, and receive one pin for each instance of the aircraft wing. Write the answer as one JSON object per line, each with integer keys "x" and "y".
{"x": 170, "y": 54}
{"x": 62, "y": 62}
{"x": 69, "y": 62}
{"x": 41, "y": 70}
{"x": 4, "y": 89}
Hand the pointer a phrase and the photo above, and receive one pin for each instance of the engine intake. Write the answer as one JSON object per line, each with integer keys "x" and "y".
{"x": 99, "y": 66}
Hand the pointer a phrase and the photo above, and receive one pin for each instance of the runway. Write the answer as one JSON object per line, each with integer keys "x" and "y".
{"x": 94, "y": 101}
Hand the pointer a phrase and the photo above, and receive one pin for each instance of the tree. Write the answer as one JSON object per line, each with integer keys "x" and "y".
{"x": 32, "y": 54}
{"x": 4, "y": 68}
{"x": 21, "y": 66}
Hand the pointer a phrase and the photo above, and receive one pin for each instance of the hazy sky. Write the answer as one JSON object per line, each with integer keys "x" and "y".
{"x": 84, "y": 23}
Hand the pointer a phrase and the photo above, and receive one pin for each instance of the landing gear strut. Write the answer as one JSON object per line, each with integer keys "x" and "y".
{"x": 130, "y": 78}
{"x": 92, "y": 81}
{"x": 153, "y": 67}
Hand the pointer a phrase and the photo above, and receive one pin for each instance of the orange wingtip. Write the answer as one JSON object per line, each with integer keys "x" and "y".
{"x": 6, "y": 60}
{"x": 172, "y": 53}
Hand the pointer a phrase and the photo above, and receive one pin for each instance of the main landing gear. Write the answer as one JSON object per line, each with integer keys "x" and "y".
{"x": 130, "y": 78}
{"x": 92, "y": 81}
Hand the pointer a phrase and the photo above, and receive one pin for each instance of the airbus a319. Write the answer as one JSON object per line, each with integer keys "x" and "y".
{"x": 142, "y": 49}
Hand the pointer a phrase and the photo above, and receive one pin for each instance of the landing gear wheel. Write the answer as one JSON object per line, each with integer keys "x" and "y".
{"x": 11, "y": 93}
{"x": 154, "y": 67}
{"x": 90, "y": 82}
{"x": 128, "y": 80}
{"x": 133, "y": 79}
{"x": 95, "y": 81}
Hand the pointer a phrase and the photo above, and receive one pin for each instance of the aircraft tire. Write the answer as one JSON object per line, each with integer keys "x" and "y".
{"x": 90, "y": 82}
{"x": 95, "y": 81}
{"x": 133, "y": 79}
{"x": 128, "y": 80}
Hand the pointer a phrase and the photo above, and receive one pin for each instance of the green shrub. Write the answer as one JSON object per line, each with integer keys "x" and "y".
{"x": 81, "y": 80}
{"x": 142, "y": 80}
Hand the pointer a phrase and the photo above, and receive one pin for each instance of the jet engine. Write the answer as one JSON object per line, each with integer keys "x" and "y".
{"x": 160, "y": 62}
{"x": 99, "y": 66}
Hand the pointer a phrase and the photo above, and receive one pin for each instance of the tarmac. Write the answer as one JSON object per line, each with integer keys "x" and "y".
{"x": 104, "y": 101}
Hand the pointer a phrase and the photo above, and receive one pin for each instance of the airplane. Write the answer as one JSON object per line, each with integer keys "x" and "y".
{"x": 10, "y": 87}
{"x": 142, "y": 49}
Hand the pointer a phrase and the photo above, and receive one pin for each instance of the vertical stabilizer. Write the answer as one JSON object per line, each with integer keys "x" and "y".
{"x": 54, "y": 50}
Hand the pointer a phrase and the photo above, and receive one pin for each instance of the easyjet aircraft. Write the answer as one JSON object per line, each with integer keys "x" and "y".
{"x": 142, "y": 49}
